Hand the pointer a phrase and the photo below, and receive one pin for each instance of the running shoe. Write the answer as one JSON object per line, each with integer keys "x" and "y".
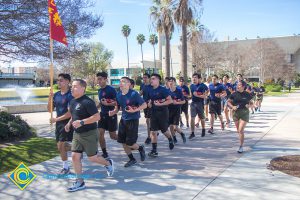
{"x": 148, "y": 140}
{"x": 197, "y": 125}
{"x": 240, "y": 150}
{"x": 171, "y": 145}
{"x": 203, "y": 133}
{"x": 211, "y": 131}
{"x": 183, "y": 137}
{"x": 130, "y": 163}
{"x": 191, "y": 136}
{"x": 175, "y": 139}
{"x": 110, "y": 169}
{"x": 143, "y": 153}
{"x": 153, "y": 154}
{"x": 65, "y": 171}
{"x": 76, "y": 186}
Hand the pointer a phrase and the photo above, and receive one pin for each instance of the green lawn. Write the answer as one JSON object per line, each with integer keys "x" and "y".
{"x": 32, "y": 151}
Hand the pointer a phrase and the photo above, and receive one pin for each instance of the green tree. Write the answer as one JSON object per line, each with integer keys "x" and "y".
{"x": 183, "y": 16}
{"x": 153, "y": 41}
{"x": 126, "y": 32}
{"x": 161, "y": 14}
{"x": 141, "y": 39}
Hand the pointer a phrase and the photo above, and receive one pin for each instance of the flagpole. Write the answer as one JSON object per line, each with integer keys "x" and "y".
{"x": 51, "y": 77}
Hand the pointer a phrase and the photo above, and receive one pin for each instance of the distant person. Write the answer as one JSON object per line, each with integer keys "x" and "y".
{"x": 290, "y": 86}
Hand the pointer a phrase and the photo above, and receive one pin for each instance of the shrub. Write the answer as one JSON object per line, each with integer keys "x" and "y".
{"x": 13, "y": 127}
{"x": 273, "y": 88}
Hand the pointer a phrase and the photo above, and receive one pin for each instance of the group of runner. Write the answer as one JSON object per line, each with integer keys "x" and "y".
{"x": 78, "y": 119}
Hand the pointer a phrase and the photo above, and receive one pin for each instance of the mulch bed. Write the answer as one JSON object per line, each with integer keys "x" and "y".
{"x": 287, "y": 164}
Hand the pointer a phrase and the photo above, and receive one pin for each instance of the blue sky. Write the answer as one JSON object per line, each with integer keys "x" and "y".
{"x": 233, "y": 18}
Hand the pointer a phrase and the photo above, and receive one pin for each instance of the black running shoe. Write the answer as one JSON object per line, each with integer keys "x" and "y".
{"x": 211, "y": 131}
{"x": 105, "y": 156}
{"x": 183, "y": 137}
{"x": 191, "y": 136}
{"x": 153, "y": 154}
{"x": 171, "y": 145}
{"x": 130, "y": 163}
{"x": 203, "y": 133}
{"x": 174, "y": 139}
{"x": 148, "y": 140}
{"x": 143, "y": 153}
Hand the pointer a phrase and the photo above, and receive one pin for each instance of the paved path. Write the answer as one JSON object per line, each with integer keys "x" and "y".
{"x": 205, "y": 168}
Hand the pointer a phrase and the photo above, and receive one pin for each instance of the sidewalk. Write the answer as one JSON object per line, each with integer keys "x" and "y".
{"x": 205, "y": 168}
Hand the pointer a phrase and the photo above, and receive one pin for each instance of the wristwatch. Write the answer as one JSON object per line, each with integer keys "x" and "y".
{"x": 81, "y": 122}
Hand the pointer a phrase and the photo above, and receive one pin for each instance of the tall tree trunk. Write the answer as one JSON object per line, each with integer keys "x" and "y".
{"x": 142, "y": 58}
{"x": 127, "y": 57}
{"x": 184, "y": 52}
{"x": 167, "y": 70}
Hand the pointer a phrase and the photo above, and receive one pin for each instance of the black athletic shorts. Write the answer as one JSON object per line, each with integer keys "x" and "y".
{"x": 108, "y": 123}
{"x": 185, "y": 107}
{"x": 128, "y": 131}
{"x": 60, "y": 134}
{"x": 174, "y": 116}
{"x": 159, "y": 120}
{"x": 147, "y": 113}
{"x": 215, "y": 107}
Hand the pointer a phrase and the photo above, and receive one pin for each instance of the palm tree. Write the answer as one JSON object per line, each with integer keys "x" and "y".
{"x": 183, "y": 15}
{"x": 162, "y": 17}
{"x": 141, "y": 39}
{"x": 126, "y": 32}
{"x": 153, "y": 40}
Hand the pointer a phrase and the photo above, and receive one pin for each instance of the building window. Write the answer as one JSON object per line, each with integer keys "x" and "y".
{"x": 117, "y": 72}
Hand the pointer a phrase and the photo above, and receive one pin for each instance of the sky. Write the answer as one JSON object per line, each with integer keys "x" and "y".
{"x": 233, "y": 18}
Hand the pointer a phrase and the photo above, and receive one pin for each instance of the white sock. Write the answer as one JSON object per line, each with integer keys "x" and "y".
{"x": 65, "y": 164}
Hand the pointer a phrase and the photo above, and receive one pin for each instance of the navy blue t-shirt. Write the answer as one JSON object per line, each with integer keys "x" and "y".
{"x": 132, "y": 98}
{"x": 176, "y": 95}
{"x": 228, "y": 87}
{"x": 214, "y": 89}
{"x": 146, "y": 89}
{"x": 198, "y": 88}
{"x": 185, "y": 91}
{"x": 61, "y": 102}
{"x": 107, "y": 93}
{"x": 159, "y": 93}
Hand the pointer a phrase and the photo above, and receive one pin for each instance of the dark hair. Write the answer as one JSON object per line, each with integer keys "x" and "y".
{"x": 181, "y": 79}
{"x": 102, "y": 74}
{"x": 216, "y": 76}
{"x": 226, "y": 76}
{"x": 132, "y": 82}
{"x": 172, "y": 79}
{"x": 196, "y": 74}
{"x": 156, "y": 75}
{"x": 240, "y": 75}
{"x": 167, "y": 78}
{"x": 146, "y": 74}
{"x": 65, "y": 76}
{"x": 82, "y": 82}
{"x": 128, "y": 79}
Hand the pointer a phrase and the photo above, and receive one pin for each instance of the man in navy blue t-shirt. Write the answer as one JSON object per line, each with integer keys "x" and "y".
{"x": 159, "y": 99}
{"x": 131, "y": 103}
{"x": 107, "y": 101}
{"x": 229, "y": 89}
{"x": 216, "y": 92}
{"x": 185, "y": 107}
{"x": 199, "y": 92}
{"x": 61, "y": 102}
{"x": 144, "y": 91}
{"x": 174, "y": 109}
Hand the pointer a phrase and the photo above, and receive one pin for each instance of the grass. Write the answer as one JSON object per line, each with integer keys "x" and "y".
{"x": 32, "y": 151}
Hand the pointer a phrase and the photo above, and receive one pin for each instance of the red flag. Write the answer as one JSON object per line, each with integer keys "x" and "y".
{"x": 56, "y": 28}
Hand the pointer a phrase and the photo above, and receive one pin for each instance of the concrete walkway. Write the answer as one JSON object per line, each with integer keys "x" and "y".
{"x": 205, "y": 168}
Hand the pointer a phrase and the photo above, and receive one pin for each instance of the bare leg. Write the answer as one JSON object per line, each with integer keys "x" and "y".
{"x": 76, "y": 159}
